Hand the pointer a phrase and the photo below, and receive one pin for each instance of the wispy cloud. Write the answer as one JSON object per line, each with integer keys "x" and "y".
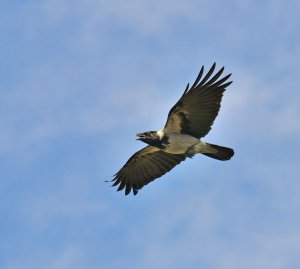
{"x": 265, "y": 109}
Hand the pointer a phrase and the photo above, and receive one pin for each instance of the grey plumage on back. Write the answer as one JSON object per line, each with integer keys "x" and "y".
{"x": 189, "y": 120}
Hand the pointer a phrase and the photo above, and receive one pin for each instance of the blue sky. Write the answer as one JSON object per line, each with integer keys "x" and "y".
{"x": 79, "y": 79}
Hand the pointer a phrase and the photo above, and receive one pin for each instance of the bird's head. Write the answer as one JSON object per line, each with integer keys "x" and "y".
{"x": 152, "y": 138}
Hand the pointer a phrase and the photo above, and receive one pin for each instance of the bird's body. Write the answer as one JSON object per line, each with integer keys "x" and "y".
{"x": 176, "y": 143}
{"x": 189, "y": 120}
{"x": 180, "y": 143}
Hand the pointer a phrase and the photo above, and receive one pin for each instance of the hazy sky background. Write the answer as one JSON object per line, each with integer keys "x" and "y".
{"x": 79, "y": 78}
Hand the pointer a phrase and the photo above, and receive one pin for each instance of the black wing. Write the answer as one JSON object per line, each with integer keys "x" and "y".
{"x": 145, "y": 166}
{"x": 198, "y": 107}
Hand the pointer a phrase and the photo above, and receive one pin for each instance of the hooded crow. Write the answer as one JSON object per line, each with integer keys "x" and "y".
{"x": 189, "y": 120}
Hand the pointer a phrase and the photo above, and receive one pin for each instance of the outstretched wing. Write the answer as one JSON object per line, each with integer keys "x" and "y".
{"x": 145, "y": 166}
{"x": 198, "y": 107}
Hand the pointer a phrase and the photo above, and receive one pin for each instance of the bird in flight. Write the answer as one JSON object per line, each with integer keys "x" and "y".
{"x": 189, "y": 120}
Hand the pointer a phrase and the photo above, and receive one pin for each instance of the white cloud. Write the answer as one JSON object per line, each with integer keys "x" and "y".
{"x": 143, "y": 15}
{"x": 69, "y": 256}
{"x": 212, "y": 230}
{"x": 260, "y": 109}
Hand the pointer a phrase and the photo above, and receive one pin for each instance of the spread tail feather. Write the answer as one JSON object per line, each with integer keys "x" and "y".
{"x": 219, "y": 152}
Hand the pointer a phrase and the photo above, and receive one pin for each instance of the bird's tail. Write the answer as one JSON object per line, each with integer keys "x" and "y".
{"x": 218, "y": 152}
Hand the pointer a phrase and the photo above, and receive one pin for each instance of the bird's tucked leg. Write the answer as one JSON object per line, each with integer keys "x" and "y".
{"x": 191, "y": 152}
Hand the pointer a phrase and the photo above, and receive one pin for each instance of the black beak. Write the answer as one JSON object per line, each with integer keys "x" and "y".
{"x": 140, "y": 136}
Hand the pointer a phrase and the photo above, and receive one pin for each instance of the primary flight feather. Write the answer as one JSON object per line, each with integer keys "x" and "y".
{"x": 189, "y": 120}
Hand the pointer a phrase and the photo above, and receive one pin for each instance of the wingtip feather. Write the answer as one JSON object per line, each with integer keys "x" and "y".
{"x": 198, "y": 77}
{"x": 186, "y": 89}
{"x": 207, "y": 76}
